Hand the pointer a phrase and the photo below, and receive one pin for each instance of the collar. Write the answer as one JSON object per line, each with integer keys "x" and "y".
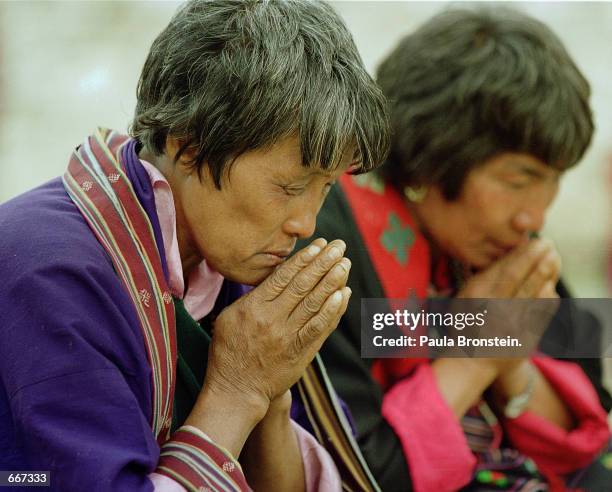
{"x": 204, "y": 282}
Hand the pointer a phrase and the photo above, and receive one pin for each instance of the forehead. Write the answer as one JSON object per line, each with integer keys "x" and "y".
{"x": 284, "y": 157}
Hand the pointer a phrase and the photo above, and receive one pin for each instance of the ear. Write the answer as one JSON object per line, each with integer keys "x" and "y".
{"x": 184, "y": 164}
{"x": 173, "y": 146}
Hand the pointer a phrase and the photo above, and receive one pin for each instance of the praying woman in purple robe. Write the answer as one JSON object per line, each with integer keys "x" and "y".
{"x": 152, "y": 322}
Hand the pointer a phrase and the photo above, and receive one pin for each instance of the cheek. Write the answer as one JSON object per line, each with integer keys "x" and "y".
{"x": 212, "y": 230}
{"x": 489, "y": 209}
{"x": 246, "y": 231}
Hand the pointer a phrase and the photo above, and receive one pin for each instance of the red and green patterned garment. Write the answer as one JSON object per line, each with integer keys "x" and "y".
{"x": 406, "y": 431}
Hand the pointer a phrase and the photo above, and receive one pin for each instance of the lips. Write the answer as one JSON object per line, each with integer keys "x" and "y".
{"x": 275, "y": 257}
{"x": 271, "y": 259}
{"x": 508, "y": 246}
{"x": 283, "y": 253}
{"x": 503, "y": 247}
{"x": 500, "y": 249}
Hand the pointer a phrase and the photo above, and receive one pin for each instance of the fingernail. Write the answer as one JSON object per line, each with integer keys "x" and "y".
{"x": 546, "y": 243}
{"x": 539, "y": 246}
{"x": 344, "y": 264}
{"x": 336, "y": 298}
{"x": 349, "y": 290}
{"x": 312, "y": 251}
{"x": 340, "y": 269}
{"x": 334, "y": 253}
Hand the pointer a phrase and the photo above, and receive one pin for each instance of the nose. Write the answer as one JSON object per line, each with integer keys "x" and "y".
{"x": 531, "y": 220}
{"x": 532, "y": 215}
{"x": 532, "y": 212}
{"x": 302, "y": 222}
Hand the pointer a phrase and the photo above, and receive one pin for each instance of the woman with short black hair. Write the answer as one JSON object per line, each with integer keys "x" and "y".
{"x": 487, "y": 110}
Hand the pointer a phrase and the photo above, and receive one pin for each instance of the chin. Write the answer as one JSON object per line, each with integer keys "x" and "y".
{"x": 481, "y": 265}
{"x": 483, "y": 262}
{"x": 475, "y": 260}
{"x": 251, "y": 277}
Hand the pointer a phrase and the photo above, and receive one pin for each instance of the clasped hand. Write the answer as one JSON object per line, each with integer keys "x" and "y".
{"x": 263, "y": 342}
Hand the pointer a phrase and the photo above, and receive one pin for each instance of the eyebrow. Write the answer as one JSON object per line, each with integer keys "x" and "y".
{"x": 304, "y": 175}
{"x": 326, "y": 173}
{"x": 533, "y": 172}
{"x": 320, "y": 172}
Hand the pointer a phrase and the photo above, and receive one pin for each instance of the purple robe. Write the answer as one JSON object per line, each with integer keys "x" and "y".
{"x": 75, "y": 387}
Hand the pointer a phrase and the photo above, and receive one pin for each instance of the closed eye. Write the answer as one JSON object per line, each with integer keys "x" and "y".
{"x": 518, "y": 184}
{"x": 293, "y": 190}
{"x": 519, "y": 180}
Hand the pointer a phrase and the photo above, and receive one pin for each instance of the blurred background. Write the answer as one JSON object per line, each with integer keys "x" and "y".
{"x": 67, "y": 67}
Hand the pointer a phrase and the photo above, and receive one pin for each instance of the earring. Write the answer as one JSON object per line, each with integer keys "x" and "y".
{"x": 415, "y": 194}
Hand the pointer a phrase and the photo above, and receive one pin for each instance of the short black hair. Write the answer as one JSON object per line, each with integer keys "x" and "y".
{"x": 473, "y": 83}
{"x": 229, "y": 76}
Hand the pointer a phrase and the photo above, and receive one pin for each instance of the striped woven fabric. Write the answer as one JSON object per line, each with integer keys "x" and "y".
{"x": 98, "y": 185}
{"x": 332, "y": 429}
{"x": 214, "y": 470}
{"x": 481, "y": 428}
{"x": 498, "y": 469}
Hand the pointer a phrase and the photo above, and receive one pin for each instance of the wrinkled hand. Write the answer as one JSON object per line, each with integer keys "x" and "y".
{"x": 263, "y": 342}
{"x": 530, "y": 271}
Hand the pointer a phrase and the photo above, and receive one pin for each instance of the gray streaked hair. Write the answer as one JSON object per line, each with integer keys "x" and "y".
{"x": 229, "y": 76}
